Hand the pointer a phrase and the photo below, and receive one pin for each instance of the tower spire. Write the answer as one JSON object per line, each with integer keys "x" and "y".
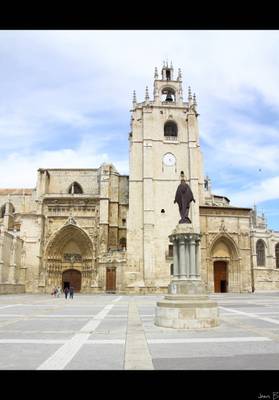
{"x": 194, "y": 100}
{"x": 134, "y": 98}
{"x": 146, "y": 94}
{"x": 179, "y": 77}
{"x": 156, "y": 73}
{"x": 189, "y": 93}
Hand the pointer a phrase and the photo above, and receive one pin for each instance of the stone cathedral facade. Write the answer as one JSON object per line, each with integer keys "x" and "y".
{"x": 100, "y": 231}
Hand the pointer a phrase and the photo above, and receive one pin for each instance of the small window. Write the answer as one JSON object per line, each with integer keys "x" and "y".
{"x": 260, "y": 250}
{"x": 168, "y": 74}
{"x": 75, "y": 188}
{"x": 170, "y": 129}
{"x": 171, "y": 269}
{"x": 170, "y": 250}
{"x": 2, "y": 211}
{"x": 122, "y": 243}
{"x": 123, "y": 221}
{"x": 277, "y": 255}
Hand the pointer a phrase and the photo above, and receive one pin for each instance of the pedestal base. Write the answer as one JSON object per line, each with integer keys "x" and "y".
{"x": 188, "y": 308}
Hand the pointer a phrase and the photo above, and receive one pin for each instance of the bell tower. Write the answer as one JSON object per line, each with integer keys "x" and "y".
{"x": 164, "y": 141}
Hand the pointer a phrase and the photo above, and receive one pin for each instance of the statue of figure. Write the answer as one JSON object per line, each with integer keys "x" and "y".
{"x": 183, "y": 198}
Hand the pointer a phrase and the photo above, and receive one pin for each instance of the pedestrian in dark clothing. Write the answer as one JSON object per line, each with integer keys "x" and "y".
{"x": 71, "y": 292}
{"x": 66, "y": 291}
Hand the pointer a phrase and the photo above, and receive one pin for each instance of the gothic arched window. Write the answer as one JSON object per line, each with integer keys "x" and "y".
{"x": 170, "y": 129}
{"x": 75, "y": 188}
{"x": 260, "y": 250}
{"x": 277, "y": 255}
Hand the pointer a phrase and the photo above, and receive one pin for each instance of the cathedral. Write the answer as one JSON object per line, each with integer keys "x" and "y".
{"x": 100, "y": 231}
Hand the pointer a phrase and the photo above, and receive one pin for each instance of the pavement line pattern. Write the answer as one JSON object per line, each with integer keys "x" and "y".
{"x": 267, "y": 313}
{"x": 47, "y": 316}
{"x": 106, "y": 341}
{"x": 251, "y": 315}
{"x": 10, "y": 305}
{"x": 58, "y": 316}
{"x": 57, "y": 341}
{"x": 59, "y": 304}
{"x": 211, "y": 340}
{"x": 117, "y": 299}
{"x": 150, "y": 341}
{"x": 64, "y": 354}
{"x": 137, "y": 355}
{"x": 31, "y": 341}
{"x": 251, "y": 328}
{"x": 258, "y": 313}
{"x": 64, "y": 304}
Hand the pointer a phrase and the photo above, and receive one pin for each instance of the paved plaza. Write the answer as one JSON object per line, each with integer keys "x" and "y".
{"x": 113, "y": 332}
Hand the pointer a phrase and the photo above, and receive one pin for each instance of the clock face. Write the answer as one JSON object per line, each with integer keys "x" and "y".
{"x": 169, "y": 159}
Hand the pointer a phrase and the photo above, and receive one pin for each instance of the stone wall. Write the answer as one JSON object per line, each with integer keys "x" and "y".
{"x": 12, "y": 277}
{"x": 266, "y": 277}
{"x": 58, "y": 181}
{"x": 6, "y": 288}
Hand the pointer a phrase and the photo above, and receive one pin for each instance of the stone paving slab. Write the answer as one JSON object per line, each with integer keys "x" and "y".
{"x": 36, "y": 335}
{"x": 201, "y": 350}
{"x": 244, "y": 362}
{"x": 99, "y": 357}
{"x": 24, "y": 356}
{"x": 137, "y": 355}
{"x": 120, "y": 312}
{"x": 48, "y": 324}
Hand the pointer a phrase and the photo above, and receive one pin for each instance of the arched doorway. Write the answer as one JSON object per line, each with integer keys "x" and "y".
{"x": 69, "y": 259}
{"x": 224, "y": 266}
{"x": 220, "y": 277}
{"x": 71, "y": 277}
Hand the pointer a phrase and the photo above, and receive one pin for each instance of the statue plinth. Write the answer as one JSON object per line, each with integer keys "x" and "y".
{"x": 187, "y": 305}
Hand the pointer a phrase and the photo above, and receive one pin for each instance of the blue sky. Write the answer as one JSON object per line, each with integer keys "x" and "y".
{"x": 65, "y": 99}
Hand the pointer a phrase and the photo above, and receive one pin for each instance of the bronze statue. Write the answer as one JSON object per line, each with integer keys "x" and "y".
{"x": 183, "y": 198}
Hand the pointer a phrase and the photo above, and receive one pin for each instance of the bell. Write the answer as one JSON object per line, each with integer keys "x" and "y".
{"x": 169, "y": 96}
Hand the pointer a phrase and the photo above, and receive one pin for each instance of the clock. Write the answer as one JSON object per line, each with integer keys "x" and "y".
{"x": 169, "y": 159}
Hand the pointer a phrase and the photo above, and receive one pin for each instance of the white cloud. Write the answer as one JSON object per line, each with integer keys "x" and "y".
{"x": 267, "y": 189}
{"x": 22, "y": 168}
{"x": 85, "y": 79}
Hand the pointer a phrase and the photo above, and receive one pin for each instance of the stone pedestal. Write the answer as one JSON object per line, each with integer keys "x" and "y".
{"x": 187, "y": 305}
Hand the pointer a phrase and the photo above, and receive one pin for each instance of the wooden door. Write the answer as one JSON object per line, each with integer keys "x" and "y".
{"x": 111, "y": 280}
{"x": 220, "y": 277}
{"x": 72, "y": 277}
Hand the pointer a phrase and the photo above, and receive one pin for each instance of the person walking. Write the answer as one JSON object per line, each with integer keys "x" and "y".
{"x": 66, "y": 291}
{"x": 71, "y": 292}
